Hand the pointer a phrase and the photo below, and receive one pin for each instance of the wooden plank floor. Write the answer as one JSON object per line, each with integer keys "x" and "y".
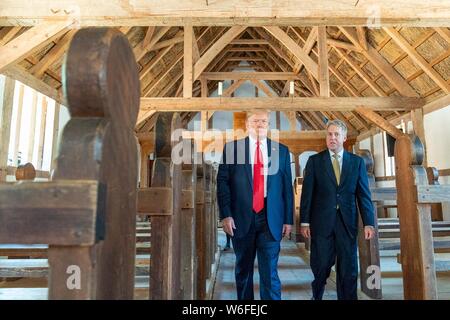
{"x": 296, "y": 276}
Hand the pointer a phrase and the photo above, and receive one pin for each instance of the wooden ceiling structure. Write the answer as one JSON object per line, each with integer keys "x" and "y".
{"x": 350, "y": 60}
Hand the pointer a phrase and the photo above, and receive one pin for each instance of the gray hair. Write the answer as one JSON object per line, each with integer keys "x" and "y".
{"x": 339, "y": 124}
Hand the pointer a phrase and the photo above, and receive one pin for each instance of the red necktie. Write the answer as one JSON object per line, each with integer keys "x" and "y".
{"x": 258, "y": 180}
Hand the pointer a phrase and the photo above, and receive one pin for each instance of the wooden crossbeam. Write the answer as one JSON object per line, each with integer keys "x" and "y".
{"x": 202, "y": 13}
{"x": 249, "y": 75}
{"x": 282, "y": 103}
{"x": 61, "y": 212}
{"x": 30, "y": 41}
{"x": 295, "y": 49}
{"x": 379, "y": 121}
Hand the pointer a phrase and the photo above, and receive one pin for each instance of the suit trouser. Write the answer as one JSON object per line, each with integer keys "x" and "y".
{"x": 340, "y": 248}
{"x": 258, "y": 241}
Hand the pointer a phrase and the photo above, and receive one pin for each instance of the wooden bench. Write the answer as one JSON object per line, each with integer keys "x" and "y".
{"x": 87, "y": 213}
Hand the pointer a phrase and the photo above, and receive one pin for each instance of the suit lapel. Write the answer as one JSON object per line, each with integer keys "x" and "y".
{"x": 248, "y": 166}
{"x": 269, "y": 161}
{"x": 345, "y": 167}
{"x": 328, "y": 166}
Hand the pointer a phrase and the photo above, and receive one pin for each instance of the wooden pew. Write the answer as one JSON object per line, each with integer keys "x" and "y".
{"x": 163, "y": 202}
{"x": 414, "y": 198}
{"x": 201, "y": 231}
{"x": 369, "y": 257}
{"x": 87, "y": 213}
{"x": 188, "y": 230}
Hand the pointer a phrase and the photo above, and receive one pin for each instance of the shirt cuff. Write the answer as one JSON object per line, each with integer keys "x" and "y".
{"x": 304, "y": 225}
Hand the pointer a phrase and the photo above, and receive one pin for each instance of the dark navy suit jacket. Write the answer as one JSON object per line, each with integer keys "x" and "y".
{"x": 235, "y": 187}
{"x": 321, "y": 194}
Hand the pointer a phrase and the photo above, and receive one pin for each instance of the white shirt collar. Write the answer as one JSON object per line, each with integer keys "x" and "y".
{"x": 253, "y": 141}
{"x": 341, "y": 154}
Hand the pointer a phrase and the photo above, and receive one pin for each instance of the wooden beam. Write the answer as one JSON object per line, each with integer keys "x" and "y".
{"x": 295, "y": 49}
{"x": 140, "y": 50}
{"x": 343, "y": 45}
{"x": 232, "y": 12}
{"x": 248, "y": 41}
{"x": 7, "y": 34}
{"x": 263, "y": 87}
{"x": 379, "y": 121}
{"x": 18, "y": 125}
{"x": 418, "y": 59}
{"x": 187, "y": 61}
{"x": 31, "y": 134}
{"x": 381, "y": 64}
{"x": 29, "y": 42}
{"x": 148, "y": 36}
{"x": 361, "y": 32}
{"x": 166, "y": 43}
{"x": 218, "y": 46}
{"x": 54, "y": 54}
{"x": 249, "y": 75}
{"x": 324, "y": 77}
{"x": 232, "y": 88}
{"x": 289, "y": 103}
{"x": 6, "y": 108}
{"x": 55, "y": 135}
{"x": 144, "y": 115}
{"x": 42, "y": 126}
{"x": 436, "y": 104}
{"x": 20, "y": 74}
{"x": 63, "y": 212}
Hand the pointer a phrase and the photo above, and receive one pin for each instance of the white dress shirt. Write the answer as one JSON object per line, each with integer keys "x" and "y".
{"x": 263, "y": 147}
{"x": 341, "y": 155}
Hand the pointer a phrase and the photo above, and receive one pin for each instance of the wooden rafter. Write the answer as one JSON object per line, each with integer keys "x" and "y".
{"x": 418, "y": 59}
{"x": 29, "y": 42}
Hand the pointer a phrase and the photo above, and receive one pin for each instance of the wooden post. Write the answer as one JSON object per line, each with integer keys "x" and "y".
{"x": 101, "y": 129}
{"x": 208, "y": 219}
{"x": 87, "y": 214}
{"x": 200, "y": 240}
{"x": 165, "y": 280}
{"x": 6, "y": 106}
{"x": 188, "y": 231}
{"x": 369, "y": 253}
{"x": 416, "y": 240}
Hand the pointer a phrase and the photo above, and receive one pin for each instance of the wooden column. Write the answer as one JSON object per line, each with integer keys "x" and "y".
{"x": 369, "y": 253}
{"x": 416, "y": 240}
{"x": 200, "y": 240}
{"x": 324, "y": 77}
{"x": 165, "y": 282}
{"x": 188, "y": 230}
{"x": 87, "y": 213}
{"x": 103, "y": 115}
{"x": 6, "y": 107}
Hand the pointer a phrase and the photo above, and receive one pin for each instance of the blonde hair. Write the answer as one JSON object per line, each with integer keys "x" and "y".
{"x": 256, "y": 111}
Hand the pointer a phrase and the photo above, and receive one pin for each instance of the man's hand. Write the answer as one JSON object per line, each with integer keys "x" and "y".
{"x": 369, "y": 232}
{"x": 228, "y": 225}
{"x": 287, "y": 228}
{"x": 305, "y": 232}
